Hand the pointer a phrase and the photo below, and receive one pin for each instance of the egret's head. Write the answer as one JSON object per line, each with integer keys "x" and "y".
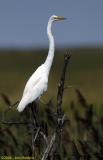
{"x": 57, "y": 18}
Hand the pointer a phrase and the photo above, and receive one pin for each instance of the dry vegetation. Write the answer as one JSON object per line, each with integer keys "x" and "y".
{"x": 51, "y": 132}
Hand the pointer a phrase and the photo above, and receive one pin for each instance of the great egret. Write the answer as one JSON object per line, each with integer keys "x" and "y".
{"x": 38, "y": 82}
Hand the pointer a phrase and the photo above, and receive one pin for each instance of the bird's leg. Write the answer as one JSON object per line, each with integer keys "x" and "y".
{"x": 34, "y": 114}
{"x": 36, "y": 129}
{"x": 37, "y": 110}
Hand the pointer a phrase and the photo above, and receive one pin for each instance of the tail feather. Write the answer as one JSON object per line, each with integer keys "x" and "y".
{"x": 23, "y": 103}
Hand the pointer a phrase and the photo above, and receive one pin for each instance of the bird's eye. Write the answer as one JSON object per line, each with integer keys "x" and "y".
{"x": 55, "y": 18}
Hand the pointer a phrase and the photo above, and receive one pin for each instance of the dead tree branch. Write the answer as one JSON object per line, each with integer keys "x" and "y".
{"x": 56, "y": 138}
{"x": 61, "y": 84}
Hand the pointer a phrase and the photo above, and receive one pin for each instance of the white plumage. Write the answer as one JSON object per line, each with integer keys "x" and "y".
{"x": 38, "y": 82}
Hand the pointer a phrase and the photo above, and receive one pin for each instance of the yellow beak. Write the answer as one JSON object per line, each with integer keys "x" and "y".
{"x": 60, "y": 18}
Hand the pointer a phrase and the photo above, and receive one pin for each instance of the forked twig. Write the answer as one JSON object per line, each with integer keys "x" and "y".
{"x": 48, "y": 149}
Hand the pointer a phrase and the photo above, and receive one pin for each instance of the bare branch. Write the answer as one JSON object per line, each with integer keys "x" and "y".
{"x": 16, "y": 123}
{"x": 61, "y": 84}
{"x": 60, "y": 117}
{"x": 48, "y": 149}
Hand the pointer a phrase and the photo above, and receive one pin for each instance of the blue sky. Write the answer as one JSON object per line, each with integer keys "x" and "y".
{"x": 23, "y": 22}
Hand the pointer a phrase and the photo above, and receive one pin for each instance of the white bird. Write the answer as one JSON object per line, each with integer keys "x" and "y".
{"x": 38, "y": 82}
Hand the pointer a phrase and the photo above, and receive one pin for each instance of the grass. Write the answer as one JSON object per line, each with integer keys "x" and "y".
{"x": 86, "y": 73}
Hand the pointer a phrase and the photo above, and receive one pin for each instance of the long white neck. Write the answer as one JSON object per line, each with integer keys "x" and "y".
{"x": 50, "y": 56}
